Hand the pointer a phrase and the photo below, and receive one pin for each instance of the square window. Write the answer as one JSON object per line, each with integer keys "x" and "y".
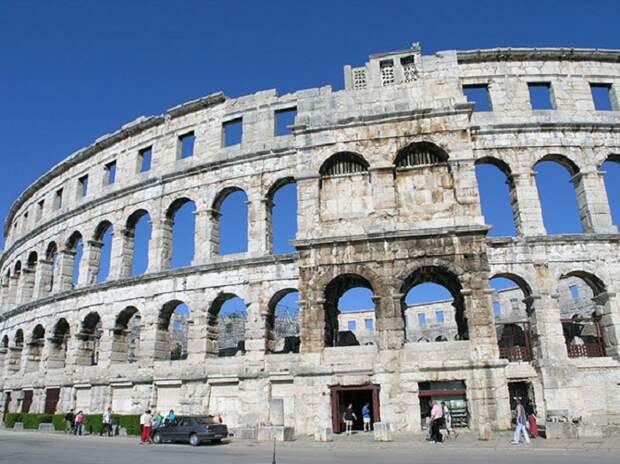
{"x": 186, "y": 143}
{"x": 387, "y": 72}
{"x": 369, "y": 324}
{"x": 83, "y": 186}
{"x": 351, "y": 325}
{"x": 540, "y": 96}
{"x": 515, "y": 303}
{"x": 110, "y": 173}
{"x": 601, "y": 95}
{"x": 145, "y": 157}
{"x": 422, "y": 319}
{"x": 497, "y": 308}
{"x": 574, "y": 291}
{"x": 439, "y": 317}
{"x": 478, "y": 94}
{"x": 285, "y": 118}
{"x": 233, "y": 132}
{"x": 58, "y": 199}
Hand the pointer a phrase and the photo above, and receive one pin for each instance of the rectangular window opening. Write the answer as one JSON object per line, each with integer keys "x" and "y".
{"x": 439, "y": 317}
{"x": 145, "y": 158}
{"x": 58, "y": 199}
{"x": 39, "y": 213}
{"x": 497, "y": 308}
{"x": 351, "y": 325}
{"x": 110, "y": 173}
{"x": 479, "y": 95}
{"x": 387, "y": 72}
{"x": 540, "y": 96}
{"x": 574, "y": 291}
{"x": 83, "y": 186}
{"x": 369, "y": 324}
{"x": 601, "y": 95}
{"x": 233, "y": 132}
{"x": 422, "y": 319}
{"x": 186, "y": 142}
{"x": 285, "y": 118}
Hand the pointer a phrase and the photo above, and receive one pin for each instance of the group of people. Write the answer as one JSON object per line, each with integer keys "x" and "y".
{"x": 349, "y": 416}
{"x": 440, "y": 418}
{"x": 524, "y": 417}
{"x": 74, "y": 423}
{"x": 149, "y": 423}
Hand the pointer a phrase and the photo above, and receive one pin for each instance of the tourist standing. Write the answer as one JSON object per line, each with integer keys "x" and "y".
{"x": 69, "y": 421}
{"x": 521, "y": 424}
{"x": 531, "y": 419}
{"x": 348, "y": 417}
{"x": 436, "y": 421}
{"x": 447, "y": 420}
{"x": 107, "y": 422}
{"x": 145, "y": 423}
{"x": 79, "y": 423}
{"x": 366, "y": 417}
{"x": 170, "y": 418}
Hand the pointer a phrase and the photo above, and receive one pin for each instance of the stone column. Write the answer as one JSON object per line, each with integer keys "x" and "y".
{"x": 478, "y": 304}
{"x": 312, "y": 325}
{"x": 64, "y": 280}
{"x": 256, "y": 323}
{"x": 212, "y": 243}
{"x": 526, "y": 204}
{"x": 89, "y": 266}
{"x": 609, "y": 311}
{"x": 43, "y": 279}
{"x": 12, "y": 290}
{"x": 121, "y": 259}
{"x": 201, "y": 237}
{"x": 267, "y": 207}
{"x": 106, "y": 346}
{"x": 257, "y": 226}
{"x": 3, "y": 356}
{"x": 160, "y": 245}
{"x": 390, "y": 321}
{"x": 593, "y": 203}
{"x": 308, "y": 206}
{"x": 4, "y": 293}
{"x": 26, "y": 285}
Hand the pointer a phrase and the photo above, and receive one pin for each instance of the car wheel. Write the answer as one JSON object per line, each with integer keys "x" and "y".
{"x": 157, "y": 438}
{"x": 193, "y": 440}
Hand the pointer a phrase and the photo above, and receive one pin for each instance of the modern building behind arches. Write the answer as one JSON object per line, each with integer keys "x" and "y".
{"x": 384, "y": 175}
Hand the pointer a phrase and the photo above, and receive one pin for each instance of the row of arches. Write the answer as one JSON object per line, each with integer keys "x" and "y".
{"x": 559, "y": 181}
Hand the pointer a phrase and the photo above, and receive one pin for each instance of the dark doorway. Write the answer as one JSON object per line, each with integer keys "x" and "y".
{"x": 358, "y": 396}
{"x": 27, "y": 401}
{"x": 51, "y": 400}
{"x": 522, "y": 390}
{"x": 7, "y": 403}
{"x": 451, "y": 392}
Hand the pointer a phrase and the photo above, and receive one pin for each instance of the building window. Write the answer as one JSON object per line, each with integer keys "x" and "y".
{"x": 233, "y": 132}
{"x": 422, "y": 319}
{"x": 497, "y": 308}
{"x": 186, "y": 145}
{"x": 479, "y": 95}
{"x": 39, "y": 213}
{"x": 515, "y": 303}
{"x": 540, "y": 96}
{"x": 58, "y": 199}
{"x": 145, "y": 157}
{"x": 359, "y": 78}
{"x": 369, "y": 324}
{"x": 285, "y": 118}
{"x": 110, "y": 173}
{"x": 409, "y": 69}
{"x": 439, "y": 317}
{"x": 83, "y": 186}
{"x": 387, "y": 72}
{"x": 351, "y": 325}
{"x": 574, "y": 291}
{"x": 601, "y": 95}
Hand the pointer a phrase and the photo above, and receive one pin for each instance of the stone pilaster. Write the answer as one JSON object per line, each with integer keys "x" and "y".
{"x": 609, "y": 312}
{"x": 390, "y": 325}
{"x": 201, "y": 237}
{"x": 160, "y": 245}
{"x": 121, "y": 260}
{"x": 593, "y": 203}
{"x": 43, "y": 279}
{"x": 526, "y": 207}
{"x": 64, "y": 281}
{"x": 89, "y": 266}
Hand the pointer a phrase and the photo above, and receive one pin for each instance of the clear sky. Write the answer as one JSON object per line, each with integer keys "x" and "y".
{"x": 71, "y": 71}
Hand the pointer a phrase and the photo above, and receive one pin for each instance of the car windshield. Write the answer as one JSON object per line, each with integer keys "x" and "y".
{"x": 206, "y": 420}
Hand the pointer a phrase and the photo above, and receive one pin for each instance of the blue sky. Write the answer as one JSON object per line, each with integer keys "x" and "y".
{"x": 71, "y": 71}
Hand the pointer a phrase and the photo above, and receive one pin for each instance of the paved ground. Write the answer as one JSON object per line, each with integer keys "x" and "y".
{"x": 34, "y": 447}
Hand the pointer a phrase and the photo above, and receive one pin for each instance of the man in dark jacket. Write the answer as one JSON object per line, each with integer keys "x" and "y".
{"x": 69, "y": 422}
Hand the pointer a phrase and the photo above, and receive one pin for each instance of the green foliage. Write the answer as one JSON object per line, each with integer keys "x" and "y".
{"x": 11, "y": 418}
{"x": 130, "y": 423}
{"x": 93, "y": 423}
{"x": 59, "y": 422}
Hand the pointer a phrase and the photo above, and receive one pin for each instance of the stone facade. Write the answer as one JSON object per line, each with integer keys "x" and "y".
{"x": 387, "y": 199}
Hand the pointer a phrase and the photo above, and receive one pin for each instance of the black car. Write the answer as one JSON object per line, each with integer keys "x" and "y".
{"x": 193, "y": 430}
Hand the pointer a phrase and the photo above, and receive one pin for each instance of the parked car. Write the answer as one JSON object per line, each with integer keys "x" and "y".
{"x": 193, "y": 430}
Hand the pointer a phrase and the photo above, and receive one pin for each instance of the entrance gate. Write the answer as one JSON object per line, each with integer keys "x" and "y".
{"x": 51, "y": 400}
{"x": 357, "y": 395}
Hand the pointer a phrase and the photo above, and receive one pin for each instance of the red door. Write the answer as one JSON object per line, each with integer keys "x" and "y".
{"x": 27, "y": 401}
{"x": 51, "y": 400}
{"x": 7, "y": 402}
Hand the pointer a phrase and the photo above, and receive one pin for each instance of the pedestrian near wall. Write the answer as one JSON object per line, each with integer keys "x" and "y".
{"x": 447, "y": 420}
{"x": 348, "y": 417}
{"x": 436, "y": 421}
{"x": 531, "y": 419}
{"x": 79, "y": 423}
{"x": 107, "y": 422}
{"x": 521, "y": 424}
{"x": 145, "y": 422}
{"x": 366, "y": 417}
{"x": 69, "y": 421}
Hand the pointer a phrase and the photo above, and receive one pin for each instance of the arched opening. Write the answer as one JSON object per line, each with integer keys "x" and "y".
{"x": 15, "y": 358}
{"x": 181, "y": 216}
{"x": 227, "y": 321}
{"x": 420, "y": 154}
{"x": 282, "y": 323}
{"x": 586, "y": 314}
{"x": 611, "y": 168}
{"x": 433, "y": 305}
{"x": 173, "y": 331}
{"x": 51, "y": 258}
{"x": 282, "y": 215}
{"x": 138, "y": 233}
{"x": 497, "y": 196}
{"x": 4, "y": 345}
{"x": 344, "y": 163}
{"x": 14, "y": 283}
{"x": 73, "y": 253}
{"x": 555, "y": 180}
{"x": 59, "y": 343}
{"x": 349, "y": 311}
{"x": 126, "y": 336}
{"x": 89, "y": 340}
{"x": 102, "y": 250}
{"x": 511, "y": 312}
{"x": 231, "y": 207}
{"x": 35, "y": 348}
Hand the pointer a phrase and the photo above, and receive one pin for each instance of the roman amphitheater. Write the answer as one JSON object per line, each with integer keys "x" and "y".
{"x": 387, "y": 199}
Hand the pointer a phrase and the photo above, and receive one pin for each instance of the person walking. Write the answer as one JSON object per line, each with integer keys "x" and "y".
{"x": 145, "y": 423}
{"x": 79, "y": 423}
{"x": 531, "y": 419}
{"x": 447, "y": 420}
{"x": 521, "y": 424}
{"x": 366, "y": 417}
{"x": 436, "y": 421}
{"x": 348, "y": 418}
{"x": 69, "y": 421}
{"x": 107, "y": 422}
